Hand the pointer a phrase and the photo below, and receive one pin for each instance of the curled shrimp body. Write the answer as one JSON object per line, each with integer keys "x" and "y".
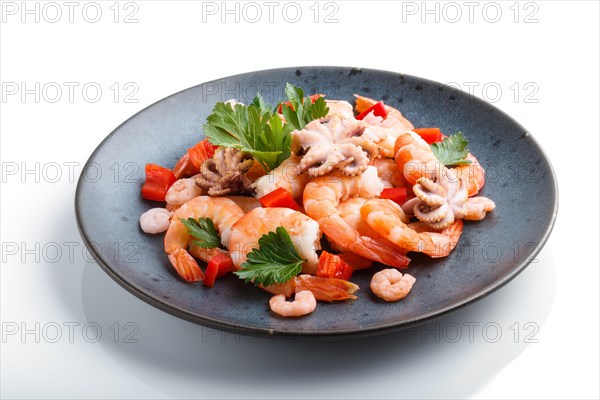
{"x": 389, "y": 173}
{"x": 304, "y": 303}
{"x": 304, "y": 233}
{"x": 386, "y": 217}
{"x": 321, "y": 199}
{"x": 155, "y": 220}
{"x": 183, "y": 190}
{"x": 223, "y": 212}
{"x": 391, "y": 285}
{"x": 416, "y": 160}
{"x": 382, "y": 131}
{"x": 286, "y": 175}
{"x": 323, "y": 288}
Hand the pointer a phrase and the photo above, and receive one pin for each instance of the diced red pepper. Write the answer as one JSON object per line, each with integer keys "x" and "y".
{"x": 430, "y": 135}
{"x": 201, "y": 152}
{"x": 397, "y": 195}
{"x": 332, "y": 266}
{"x": 218, "y": 266}
{"x": 184, "y": 167}
{"x": 312, "y": 98}
{"x": 378, "y": 110}
{"x": 193, "y": 159}
{"x": 158, "y": 181}
{"x": 279, "y": 198}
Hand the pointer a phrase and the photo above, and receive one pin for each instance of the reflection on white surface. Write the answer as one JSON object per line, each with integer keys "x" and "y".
{"x": 449, "y": 357}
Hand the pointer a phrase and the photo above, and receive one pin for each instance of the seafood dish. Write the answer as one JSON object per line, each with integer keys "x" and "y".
{"x": 293, "y": 198}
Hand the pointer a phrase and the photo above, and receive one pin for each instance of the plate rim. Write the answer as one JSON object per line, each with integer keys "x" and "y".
{"x": 336, "y": 333}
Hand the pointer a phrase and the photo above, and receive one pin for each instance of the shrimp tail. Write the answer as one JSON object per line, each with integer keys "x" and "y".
{"x": 389, "y": 256}
{"x": 186, "y": 266}
{"x": 438, "y": 245}
{"x": 326, "y": 289}
{"x": 340, "y": 232}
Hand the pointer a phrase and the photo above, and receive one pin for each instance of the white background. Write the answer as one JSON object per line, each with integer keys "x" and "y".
{"x": 548, "y": 316}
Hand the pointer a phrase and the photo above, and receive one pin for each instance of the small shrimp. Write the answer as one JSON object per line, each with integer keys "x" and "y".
{"x": 386, "y": 217}
{"x": 304, "y": 233}
{"x": 304, "y": 303}
{"x": 323, "y": 288}
{"x": 286, "y": 176}
{"x": 391, "y": 285}
{"x": 389, "y": 173}
{"x": 416, "y": 160}
{"x": 223, "y": 212}
{"x": 394, "y": 117}
{"x": 383, "y": 131}
{"x": 182, "y": 191}
{"x": 321, "y": 199}
{"x": 155, "y": 220}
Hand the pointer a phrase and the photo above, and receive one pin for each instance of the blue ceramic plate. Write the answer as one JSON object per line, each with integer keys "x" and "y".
{"x": 490, "y": 253}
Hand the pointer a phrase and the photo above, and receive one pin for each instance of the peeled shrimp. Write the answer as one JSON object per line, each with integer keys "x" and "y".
{"x": 155, "y": 220}
{"x": 391, "y": 285}
{"x": 415, "y": 159}
{"x": 246, "y": 203}
{"x": 386, "y": 217}
{"x": 304, "y": 303}
{"x": 183, "y": 190}
{"x": 323, "y": 288}
{"x": 223, "y": 212}
{"x": 286, "y": 176}
{"x": 382, "y": 131}
{"x": 389, "y": 173}
{"x": 321, "y": 199}
{"x": 303, "y": 231}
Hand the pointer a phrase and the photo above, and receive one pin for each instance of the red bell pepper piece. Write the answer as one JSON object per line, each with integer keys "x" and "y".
{"x": 279, "y": 198}
{"x": 332, "y": 266}
{"x": 218, "y": 266}
{"x": 193, "y": 159}
{"x": 184, "y": 167}
{"x": 397, "y": 195}
{"x": 201, "y": 152}
{"x": 312, "y": 98}
{"x": 430, "y": 135}
{"x": 378, "y": 110}
{"x": 158, "y": 181}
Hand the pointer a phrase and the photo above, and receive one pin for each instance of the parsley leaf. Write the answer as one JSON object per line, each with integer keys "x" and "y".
{"x": 303, "y": 110}
{"x": 204, "y": 230}
{"x": 452, "y": 150}
{"x": 274, "y": 261}
{"x": 252, "y": 129}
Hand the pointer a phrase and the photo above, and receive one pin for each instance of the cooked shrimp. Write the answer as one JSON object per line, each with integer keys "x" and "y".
{"x": 183, "y": 190}
{"x": 155, "y": 220}
{"x": 286, "y": 176}
{"x": 477, "y": 207}
{"x": 394, "y": 117}
{"x": 304, "y": 303}
{"x": 223, "y": 212}
{"x": 415, "y": 159}
{"x": 321, "y": 199}
{"x": 473, "y": 174}
{"x": 323, "y": 288}
{"x": 246, "y": 203}
{"x": 303, "y": 231}
{"x": 389, "y": 173}
{"x": 386, "y": 217}
{"x": 391, "y": 285}
{"x": 382, "y": 131}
